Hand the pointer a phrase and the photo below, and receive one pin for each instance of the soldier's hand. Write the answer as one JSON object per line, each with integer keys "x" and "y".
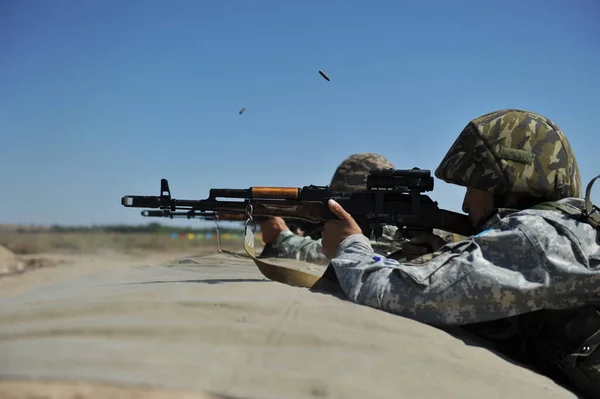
{"x": 336, "y": 231}
{"x": 423, "y": 243}
{"x": 271, "y": 228}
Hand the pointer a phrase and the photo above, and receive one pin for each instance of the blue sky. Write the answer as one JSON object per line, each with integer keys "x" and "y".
{"x": 99, "y": 99}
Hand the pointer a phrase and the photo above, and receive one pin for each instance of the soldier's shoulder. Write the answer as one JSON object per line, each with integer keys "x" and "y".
{"x": 548, "y": 224}
{"x": 564, "y": 212}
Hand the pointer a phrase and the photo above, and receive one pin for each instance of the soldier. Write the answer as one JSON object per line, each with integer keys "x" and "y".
{"x": 350, "y": 176}
{"x": 537, "y": 253}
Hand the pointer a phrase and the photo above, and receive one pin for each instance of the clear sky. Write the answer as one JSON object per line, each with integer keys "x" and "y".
{"x": 99, "y": 99}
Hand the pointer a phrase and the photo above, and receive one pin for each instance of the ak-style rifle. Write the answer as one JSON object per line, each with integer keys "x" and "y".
{"x": 392, "y": 197}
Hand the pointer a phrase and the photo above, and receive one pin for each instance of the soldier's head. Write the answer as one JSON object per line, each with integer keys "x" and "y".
{"x": 510, "y": 158}
{"x": 351, "y": 174}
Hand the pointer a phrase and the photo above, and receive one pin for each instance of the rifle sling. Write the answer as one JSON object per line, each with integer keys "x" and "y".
{"x": 281, "y": 274}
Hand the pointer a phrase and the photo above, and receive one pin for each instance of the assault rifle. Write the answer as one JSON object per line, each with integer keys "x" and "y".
{"x": 311, "y": 230}
{"x": 392, "y": 197}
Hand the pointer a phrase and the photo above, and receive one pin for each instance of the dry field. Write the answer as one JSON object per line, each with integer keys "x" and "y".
{"x": 25, "y": 251}
{"x": 94, "y": 242}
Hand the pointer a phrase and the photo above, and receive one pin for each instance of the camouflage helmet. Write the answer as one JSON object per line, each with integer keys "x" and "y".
{"x": 513, "y": 152}
{"x": 352, "y": 173}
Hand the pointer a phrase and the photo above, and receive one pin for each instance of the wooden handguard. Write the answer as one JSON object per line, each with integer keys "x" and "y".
{"x": 232, "y": 216}
{"x": 290, "y": 193}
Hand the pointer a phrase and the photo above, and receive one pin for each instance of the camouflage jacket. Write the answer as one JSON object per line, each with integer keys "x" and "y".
{"x": 292, "y": 246}
{"x": 521, "y": 262}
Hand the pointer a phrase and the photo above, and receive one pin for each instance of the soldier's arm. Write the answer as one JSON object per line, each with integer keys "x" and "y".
{"x": 306, "y": 249}
{"x": 497, "y": 274}
{"x": 292, "y": 246}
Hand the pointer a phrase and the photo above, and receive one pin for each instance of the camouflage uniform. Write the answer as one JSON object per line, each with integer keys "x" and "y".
{"x": 350, "y": 176}
{"x": 521, "y": 262}
{"x": 512, "y": 266}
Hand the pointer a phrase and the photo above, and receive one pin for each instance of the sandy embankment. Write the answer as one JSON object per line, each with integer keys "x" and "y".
{"x": 215, "y": 324}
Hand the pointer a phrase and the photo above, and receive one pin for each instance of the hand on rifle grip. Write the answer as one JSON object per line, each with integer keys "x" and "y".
{"x": 423, "y": 243}
{"x": 336, "y": 231}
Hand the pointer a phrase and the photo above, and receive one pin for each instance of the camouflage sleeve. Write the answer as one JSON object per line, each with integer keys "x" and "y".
{"x": 499, "y": 273}
{"x": 292, "y": 246}
{"x": 389, "y": 242}
{"x": 305, "y": 249}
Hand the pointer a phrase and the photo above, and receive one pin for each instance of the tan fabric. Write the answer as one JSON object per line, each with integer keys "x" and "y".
{"x": 62, "y": 390}
{"x": 215, "y": 324}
